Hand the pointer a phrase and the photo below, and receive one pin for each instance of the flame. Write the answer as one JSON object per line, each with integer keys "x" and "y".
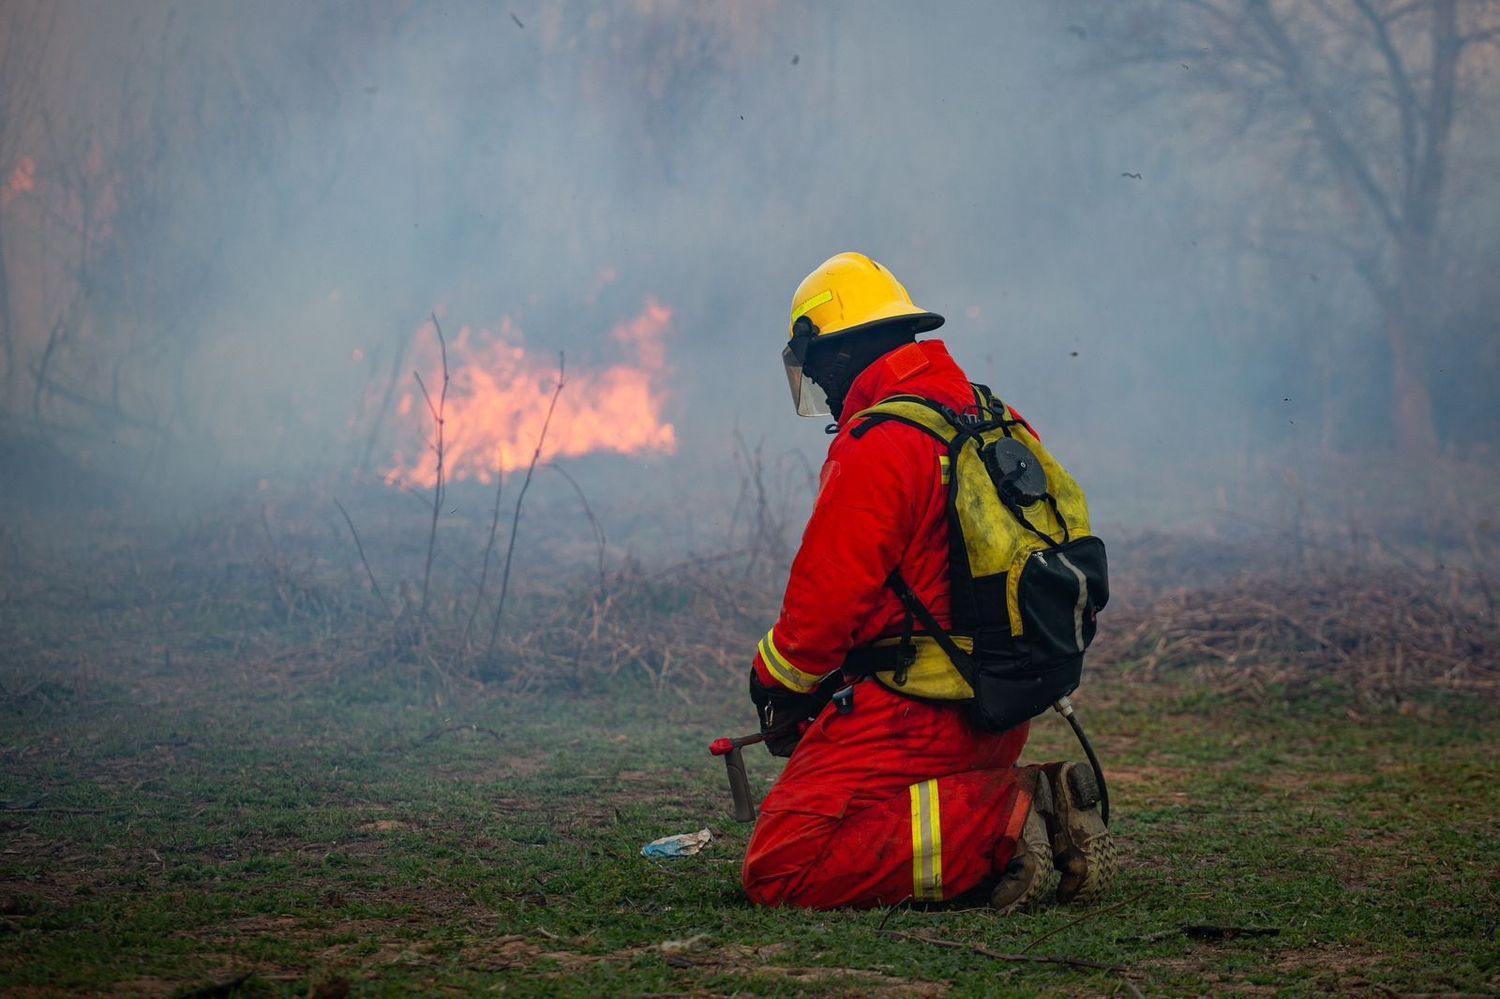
{"x": 22, "y": 180}
{"x": 498, "y": 395}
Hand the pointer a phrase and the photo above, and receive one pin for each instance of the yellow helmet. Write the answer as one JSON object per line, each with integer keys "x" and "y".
{"x": 846, "y": 294}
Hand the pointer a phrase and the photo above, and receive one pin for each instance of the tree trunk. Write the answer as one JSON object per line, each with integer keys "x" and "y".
{"x": 7, "y": 336}
{"x": 1414, "y": 304}
{"x": 1416, "y": 431}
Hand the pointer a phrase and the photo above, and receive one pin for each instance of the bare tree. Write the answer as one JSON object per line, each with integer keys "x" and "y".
{"x": 1362, "y": 103}
{"x": 25, "y": 35}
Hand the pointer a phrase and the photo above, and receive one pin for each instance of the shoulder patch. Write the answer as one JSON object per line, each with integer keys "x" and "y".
{"x": 906, "y": 361}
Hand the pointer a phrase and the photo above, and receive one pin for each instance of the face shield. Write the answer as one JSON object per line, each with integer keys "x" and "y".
{"x": 809, "y": 399}
{"x": 807, "y": 396}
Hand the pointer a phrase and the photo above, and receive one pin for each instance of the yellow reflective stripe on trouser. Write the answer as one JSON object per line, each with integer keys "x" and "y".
{"x": 789, "y": 675}
{"x": 926, "y": 843}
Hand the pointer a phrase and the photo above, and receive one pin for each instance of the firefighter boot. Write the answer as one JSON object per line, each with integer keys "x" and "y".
{"x": 1082, "y": 847}
{"x": 1027, "y": 875}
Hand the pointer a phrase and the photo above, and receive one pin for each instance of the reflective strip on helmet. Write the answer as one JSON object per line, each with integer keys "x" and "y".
{"x": 926, "y": 843}
{"x": 810, "y": 304}
{"x": 790, "y": 676}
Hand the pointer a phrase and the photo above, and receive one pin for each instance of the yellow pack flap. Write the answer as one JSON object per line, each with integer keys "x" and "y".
{"x": 933, "y": 676}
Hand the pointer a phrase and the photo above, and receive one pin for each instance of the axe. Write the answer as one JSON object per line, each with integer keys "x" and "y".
{"x": 734, "y": 762}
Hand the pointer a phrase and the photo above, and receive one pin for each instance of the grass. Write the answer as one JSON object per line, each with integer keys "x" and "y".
{"x": 355, "y": 836}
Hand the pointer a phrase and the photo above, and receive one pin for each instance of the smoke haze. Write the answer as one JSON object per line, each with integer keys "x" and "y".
{"x": 238, "y": 218}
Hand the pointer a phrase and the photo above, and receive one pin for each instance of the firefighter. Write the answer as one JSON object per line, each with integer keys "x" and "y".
{"x": 888, "y": 797}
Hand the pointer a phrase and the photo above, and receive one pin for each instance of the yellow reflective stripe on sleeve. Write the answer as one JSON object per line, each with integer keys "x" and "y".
{"x": 789, "y": 675}
{"x": 926, "y": 843}
{"x": 943, "y": 467}
{"x": 810, "y": 304}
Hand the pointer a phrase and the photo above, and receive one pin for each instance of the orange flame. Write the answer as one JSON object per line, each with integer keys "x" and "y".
{"x": 22, "y": 180}
{"x": 498, "y": 396}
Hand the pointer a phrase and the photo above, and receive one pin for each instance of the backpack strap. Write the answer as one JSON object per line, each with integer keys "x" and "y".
{"x": 930, "y": 417}
{"x": 914, "y": 607}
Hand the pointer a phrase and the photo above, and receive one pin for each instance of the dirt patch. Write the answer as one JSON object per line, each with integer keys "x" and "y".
{"x": 505, "y": 766}
{"x": 385, "y": 826}
{"x": 141, "y": 987}
{"x": 1336, "y": 969}
{"x": 857, "y": 980}
{"x": 517, "y": 952}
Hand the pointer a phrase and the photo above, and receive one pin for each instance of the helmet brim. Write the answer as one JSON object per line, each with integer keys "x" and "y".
{"x": 900, "y": 317}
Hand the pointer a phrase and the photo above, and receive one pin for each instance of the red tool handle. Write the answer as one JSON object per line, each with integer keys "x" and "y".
{"x": 734, "y": 765}
{"x": 722, "y": 747}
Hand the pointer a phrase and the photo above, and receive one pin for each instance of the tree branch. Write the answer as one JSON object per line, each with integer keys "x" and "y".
{"x": 1406, "y": 98}
{"x": 1446, "y": 47}
{"x": 1337, "y": 145}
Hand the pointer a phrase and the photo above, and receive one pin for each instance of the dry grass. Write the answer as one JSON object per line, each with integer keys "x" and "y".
{"x": 281, "y": 590}
{"x": 687, "y": 626}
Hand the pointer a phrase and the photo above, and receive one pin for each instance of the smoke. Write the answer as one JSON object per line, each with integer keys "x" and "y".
{"x": 297, "y": 185}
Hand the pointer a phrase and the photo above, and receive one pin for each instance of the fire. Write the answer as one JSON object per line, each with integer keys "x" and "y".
{"x": 498, "y": 395}
{"x": 22, "y": 180}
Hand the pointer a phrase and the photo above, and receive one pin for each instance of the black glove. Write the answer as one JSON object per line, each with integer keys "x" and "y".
{"x": 784, "y": 713}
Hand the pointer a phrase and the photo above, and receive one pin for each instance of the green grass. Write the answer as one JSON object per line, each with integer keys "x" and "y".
{"x": 357, "y": 836}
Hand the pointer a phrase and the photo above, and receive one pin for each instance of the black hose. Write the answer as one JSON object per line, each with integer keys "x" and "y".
{"x": 1088, "y": 750}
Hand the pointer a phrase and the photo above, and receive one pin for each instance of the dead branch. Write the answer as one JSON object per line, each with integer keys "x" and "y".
{"x": 515, "y": 520}
{"x": 363, "y": 561}
{"x": 489, "y": 548}
{"x": 437, "y": 489}
{"x": 594, "y": 525}
{"x": 398, "y": 358}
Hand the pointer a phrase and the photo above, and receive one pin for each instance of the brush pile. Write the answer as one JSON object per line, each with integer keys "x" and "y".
{"x": 1379, "y": 633}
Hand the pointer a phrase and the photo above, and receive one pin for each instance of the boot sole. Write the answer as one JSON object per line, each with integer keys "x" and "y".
{"x": 1036, "y": 841}
{"x": 1081, "y": 839}
{"x": 1037, "y": 849}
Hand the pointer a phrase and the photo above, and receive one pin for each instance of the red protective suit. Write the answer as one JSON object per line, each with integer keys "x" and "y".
{"x": 899, "y": 799}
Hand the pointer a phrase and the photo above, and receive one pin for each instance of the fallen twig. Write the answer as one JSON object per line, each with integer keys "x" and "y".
{"x": 1228, "y": 932}
{"x": 1071, "y": 962}
{"x": 1083, "y": 918}
{"x": 215, "y": 990}
{"x": 1200, "y": 932}
{"x": 438, "y": 733}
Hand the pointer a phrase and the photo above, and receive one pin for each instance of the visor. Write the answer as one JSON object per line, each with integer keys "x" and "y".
{"x": 809, "y": 399}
